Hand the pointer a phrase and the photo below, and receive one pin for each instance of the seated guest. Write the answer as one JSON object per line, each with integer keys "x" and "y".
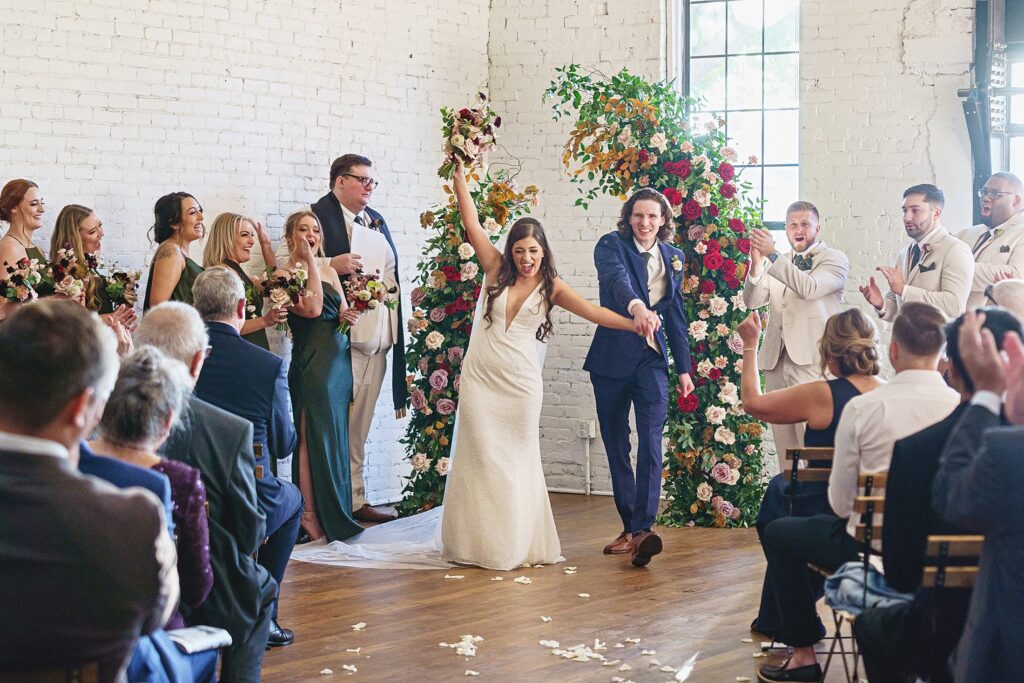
{"x": 979, "y": 487}
{"x": 1008, "y": 294}
{"x": 252, "y": 383}
{"x": 900, "y": 642}
{"x": 230, "y": 244}
{"x": 150, "y": 393}
{"x": 849, "y": 351}
{"x": 870, "y": 424}
{"x": 87, "y": 567}
{"x": 219, "y": 445}
{"x": 178, "y": 223}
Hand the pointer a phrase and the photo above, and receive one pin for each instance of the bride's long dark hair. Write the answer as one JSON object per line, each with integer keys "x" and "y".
{"x": 521, "y": 229}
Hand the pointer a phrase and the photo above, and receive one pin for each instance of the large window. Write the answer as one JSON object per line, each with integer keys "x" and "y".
{"x": 742, "y": 61}
{"x": 1007, "y": 119}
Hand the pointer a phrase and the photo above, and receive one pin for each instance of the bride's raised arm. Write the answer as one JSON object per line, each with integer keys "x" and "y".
{"x": 566, "y": 297}
{"x": 487, "y": 253}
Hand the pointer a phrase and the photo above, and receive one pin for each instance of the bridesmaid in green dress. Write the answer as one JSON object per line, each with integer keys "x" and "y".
{"x": 21, "y": 206}
{"x": 230, "y": 244}
{"x": 179, "y": 223}
{"x": 320, "y": 380}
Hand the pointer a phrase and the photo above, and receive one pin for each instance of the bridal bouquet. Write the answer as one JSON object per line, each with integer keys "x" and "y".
{"x": 468, "y": 135}
{"x": 286, "y": 290}
{"x": 366, "y": 293}
{"x": 21, "y": 280}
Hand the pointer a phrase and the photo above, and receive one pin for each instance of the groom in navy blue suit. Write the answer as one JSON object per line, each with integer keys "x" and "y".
{"x": 640, "y": 276}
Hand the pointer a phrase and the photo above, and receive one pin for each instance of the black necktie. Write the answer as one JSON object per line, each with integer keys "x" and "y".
{"x": 361, "y": 221}
{"x": 647, "y": 267}
{"x": 981, "y": 242}
{"x": 915, "y": 256}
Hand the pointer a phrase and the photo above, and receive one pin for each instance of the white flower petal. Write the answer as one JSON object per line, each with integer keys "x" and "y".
{"x": 497, "y": 578}
{"x": 747, "y": 640}
{"x": 647, "y": 653}
{"x": 633, "y": 640}
{"x": 625, "y": 667}
{"x": 454, "y": 576}
{"x": 523, "y": 580}
{"x": 545, "y": 619}
{"x": 349, "y": 668}
{"x": 359, "y": 627}
{"x": 583, "y": 595}
{"x": 549, "y": 643}
{"x": 667, "y": 669}
{"x": 326, "y": 672}
{"x": 354, "y": 650}
{"x": 613, "y": 662}
{"x": 470, "y": 672}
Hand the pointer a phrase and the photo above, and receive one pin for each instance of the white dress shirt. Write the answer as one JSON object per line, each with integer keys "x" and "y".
{"x": 871, "y": 423}
{"x": 657, "y": 282}
{"x": 19, "y": 443}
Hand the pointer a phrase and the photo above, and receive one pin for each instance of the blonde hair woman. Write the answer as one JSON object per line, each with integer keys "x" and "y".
{"x": 230, "y": 244}
{"x": 849, "y": 352}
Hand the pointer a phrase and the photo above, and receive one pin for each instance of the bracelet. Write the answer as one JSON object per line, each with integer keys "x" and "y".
{"x": 750, "y": 348}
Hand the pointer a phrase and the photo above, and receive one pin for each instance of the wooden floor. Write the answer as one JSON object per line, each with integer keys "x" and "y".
{"x": 696, "y": 599}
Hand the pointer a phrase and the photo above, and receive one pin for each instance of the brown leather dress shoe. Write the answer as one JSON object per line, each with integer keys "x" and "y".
{"x": 367, "y": 513}
{"x": 622, "y": 544}
{"x": 646, "y": 545}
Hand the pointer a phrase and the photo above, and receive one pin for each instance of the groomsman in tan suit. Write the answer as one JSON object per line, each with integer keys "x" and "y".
{"x": 934, "y": 268}
{"x": 998, "y": 243}
{"x": 801, "y": 291}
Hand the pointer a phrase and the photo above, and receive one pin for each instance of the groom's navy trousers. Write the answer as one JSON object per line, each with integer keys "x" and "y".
{"x": 626, "y": 371}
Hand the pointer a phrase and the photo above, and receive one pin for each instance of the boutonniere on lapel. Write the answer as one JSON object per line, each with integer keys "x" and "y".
{"x": 926, "y": 251}
{"x": 677, "y": 265}
{"x": 997, "y": 233}
{"x": 377, "y": 224}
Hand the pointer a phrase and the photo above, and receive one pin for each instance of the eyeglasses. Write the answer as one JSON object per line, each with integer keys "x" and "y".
{"x": 991, "y": 194}
{"x": 368, "y": 183}
{"x": 988, "y": 294}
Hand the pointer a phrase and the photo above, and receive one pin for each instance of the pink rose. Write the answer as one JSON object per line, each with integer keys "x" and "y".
{"x": 457, "y": 382}
{"x": 721, "y": 472}
{"x": 455, "y": 354}
{"x": 695, "y": 233}
{"x": 419, "y": 401}
{"x": 422, "y": 365}
{"x": 736, "y": 513}
{"x": 445, "y": 406}
{"x": 725, "y": 508}
{"x": 439, "y": 380}
{"x": 417, "y": 296}
{"x": 437, "y": 314}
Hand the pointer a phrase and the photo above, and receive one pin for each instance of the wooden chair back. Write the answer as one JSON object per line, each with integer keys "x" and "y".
{"x": 952, "y": 561}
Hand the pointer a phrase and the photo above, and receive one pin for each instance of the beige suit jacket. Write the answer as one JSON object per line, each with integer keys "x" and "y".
{"x": 799, "y": 302}
{"x": 1004, "y": 251}
{"x": 941, "y": 278}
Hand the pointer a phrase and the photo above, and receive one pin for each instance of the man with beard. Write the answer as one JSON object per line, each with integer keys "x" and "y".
{"x": 934, "y": 268}
{"x": 998, "y": 243}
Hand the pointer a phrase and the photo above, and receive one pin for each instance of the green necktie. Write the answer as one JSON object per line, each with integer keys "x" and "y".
{"x": 802, "y": 262}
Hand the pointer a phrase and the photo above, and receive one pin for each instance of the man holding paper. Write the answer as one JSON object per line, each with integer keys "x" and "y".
{"x": 356, "y": 238}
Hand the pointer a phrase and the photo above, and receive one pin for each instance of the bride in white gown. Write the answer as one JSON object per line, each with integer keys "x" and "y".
{"x": 496, "y": 511}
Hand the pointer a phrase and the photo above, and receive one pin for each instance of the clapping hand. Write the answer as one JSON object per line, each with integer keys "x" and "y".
{"x": 750, "y": 330}
{"x": 762, "y": 241}
{"x": 873, "y": 294}
{"x": 894, "y": 277}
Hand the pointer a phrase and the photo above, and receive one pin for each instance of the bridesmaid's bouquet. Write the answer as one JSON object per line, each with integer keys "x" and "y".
{"x": 284, "y": 290}
{"x": 19, "y": 282}
{"x": 468, "y": 135}
{"x": 366, "y": 293}
{"x": 66, "y": 276}
{"x": 122, "y": 287}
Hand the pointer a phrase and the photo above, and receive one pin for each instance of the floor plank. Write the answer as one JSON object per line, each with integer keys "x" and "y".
{"x": 696, "y": 598}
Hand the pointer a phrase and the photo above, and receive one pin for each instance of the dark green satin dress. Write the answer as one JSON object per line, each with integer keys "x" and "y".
{"x": 183, "y": 290}
{"x": 252, "y": 298}
{"x": 320, "y": 380}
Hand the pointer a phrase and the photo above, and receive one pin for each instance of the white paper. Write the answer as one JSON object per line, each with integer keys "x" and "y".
{"x": 372, "y": 249}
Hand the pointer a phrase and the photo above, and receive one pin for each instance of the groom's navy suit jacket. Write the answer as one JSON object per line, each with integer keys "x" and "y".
{"x": 336, "y": 242}
{"x": 622, "y": 277}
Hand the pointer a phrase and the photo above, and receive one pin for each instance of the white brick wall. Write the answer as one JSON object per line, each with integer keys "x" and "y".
{"x": 241, "y": 102}
{"x": 244, "y": 103}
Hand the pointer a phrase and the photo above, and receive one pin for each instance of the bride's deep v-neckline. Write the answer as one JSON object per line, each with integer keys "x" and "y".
{"x": 509, "y": 321}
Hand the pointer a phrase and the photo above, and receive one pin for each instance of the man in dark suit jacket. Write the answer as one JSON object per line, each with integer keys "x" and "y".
{"x": 219, "y": 445}
{"x": 979, "y": 486}
{"x": 340, "y": 211}
{"x": 87, "y": 567}
{"x": 252, "y": 383}
{"x": 640, "y": 276}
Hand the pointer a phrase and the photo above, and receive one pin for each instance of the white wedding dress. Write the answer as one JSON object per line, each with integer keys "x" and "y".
{"x": 497, "y": 513}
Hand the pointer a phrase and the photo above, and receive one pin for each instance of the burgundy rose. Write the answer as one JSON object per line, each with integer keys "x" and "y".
{"x": 643, "y": 156}
{"x": 713, "y": 210}
{"x": 743, "y": 244}
{"x": 417, "y": 296}
{"x": 732, "y": 283}
{"x": 674, "y": 197}
{"x": 713, "y": 245}
{"x": 445, "y": 406}
{"x": 678, "y": 168}
{"x": 728, "y": 190}
{"x": 736, "y": 225}
{"x": 726, "y": 171}
{"x": 449, "y": 308}
{"x": 701, "y": 347}
{"x": 438, "y": 380}
{"x": 713, "y": 260}
{"x": 699, "y": 382}
{"x": 497, "y": 122}
{"x": 451, "y": 273}
{"x": 691, "y": 210}
{"x": 707, "y": 287}
{"x": 463, "y": 304}
{"x": 464, "y": 113}
{"x": 714, "y": 374}
{"x": 419, "y": 401}
{"x": 438, "y": 314}
{"x": 476, "y": 292}
{"x": 729, "y": 267}
{"x": 688, "y": 404}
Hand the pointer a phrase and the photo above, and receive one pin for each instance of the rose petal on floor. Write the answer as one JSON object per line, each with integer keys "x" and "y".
{"x": 326, "y": 672}
{"x": 359, "y": 627}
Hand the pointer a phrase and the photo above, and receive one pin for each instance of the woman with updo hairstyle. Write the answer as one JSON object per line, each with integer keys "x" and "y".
{"x": 22, "y": 207}
{"x": 849, "y": 352}
{"x": 149, "y": 395}
{"x": 178, "y": 222}
{"x": 230, "y": 244}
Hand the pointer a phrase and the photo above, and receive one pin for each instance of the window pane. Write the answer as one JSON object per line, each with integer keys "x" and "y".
{"x": 781, "y": 137}
{"x": 1017, "y": 75}
{"x": 745, "y": 82}
{"x": 781, "y": 81}
{"x": 707, "y": 81}
{"x": 781, "y": 25}
{"x": 996, "y": 150}
{"x": 1016, "y": 109}
{"x": 706, "y": 34}
{"x": 744, "y": 131}
{"x": 1017, "y": 156}
{"x": 745, "y": 25}
{"x": 752, "y": 175}
{"x": 781, "y": 188}
{"x": 700, "y": 119}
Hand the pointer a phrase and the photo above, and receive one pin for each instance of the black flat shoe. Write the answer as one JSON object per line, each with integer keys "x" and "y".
{"x": 779, "y": 674}
{"x": 279, "y": 637}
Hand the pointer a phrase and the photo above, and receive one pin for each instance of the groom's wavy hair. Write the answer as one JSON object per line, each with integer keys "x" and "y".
{"x": 652, "y": 195}
{"x": 521, "y": 229}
